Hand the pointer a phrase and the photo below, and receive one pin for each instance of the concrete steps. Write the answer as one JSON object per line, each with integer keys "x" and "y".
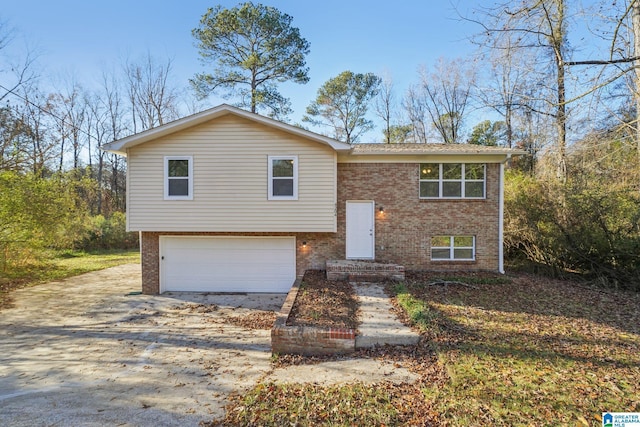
{"x": 363, "y": 271}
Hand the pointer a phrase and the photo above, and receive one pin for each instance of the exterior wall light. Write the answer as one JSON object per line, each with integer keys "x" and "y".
{"x": 381, "y": 209}
{"x": 304, "y": 243}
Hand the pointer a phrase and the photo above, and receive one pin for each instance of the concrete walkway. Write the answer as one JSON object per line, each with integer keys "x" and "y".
{"x": 378, "y": 325}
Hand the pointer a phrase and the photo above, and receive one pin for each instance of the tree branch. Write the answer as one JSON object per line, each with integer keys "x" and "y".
{"x": 603, "y": 61}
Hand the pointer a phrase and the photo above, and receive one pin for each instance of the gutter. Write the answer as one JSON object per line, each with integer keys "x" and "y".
{"x": 501, "y": 216}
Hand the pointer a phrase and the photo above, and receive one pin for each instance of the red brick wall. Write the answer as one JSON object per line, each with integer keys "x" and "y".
{"x": 150, "y": 259}
{"x": 403, "y": 232}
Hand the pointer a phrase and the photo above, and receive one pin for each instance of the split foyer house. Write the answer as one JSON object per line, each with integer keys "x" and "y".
{"x": 230, "y": 201}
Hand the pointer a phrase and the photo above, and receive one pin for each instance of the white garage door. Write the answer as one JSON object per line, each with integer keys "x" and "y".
{"x": 227, "y": 264}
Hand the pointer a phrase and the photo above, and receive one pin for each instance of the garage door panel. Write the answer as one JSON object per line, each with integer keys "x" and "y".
{"x": 213, "y": 261}
{"x": 222, "y": 255}
{"x": 228, "y": 264}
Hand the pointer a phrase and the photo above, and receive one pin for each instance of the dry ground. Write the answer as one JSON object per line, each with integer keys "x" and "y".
{"x": 517, "y": 350}
{"x": 325, "y": 304}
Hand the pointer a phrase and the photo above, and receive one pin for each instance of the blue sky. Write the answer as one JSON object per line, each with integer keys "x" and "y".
{"x": 82, "y": 38}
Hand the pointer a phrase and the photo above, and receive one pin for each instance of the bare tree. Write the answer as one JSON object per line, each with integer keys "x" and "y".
{"x": 539, "y": 26}
{"x": 153, "y": 101}
{"x": 635, "y": 25}
{"x": 385, "y": 105}
{"x": 415, "y": 107}
{"x": 97, "y": 126}
{"x": 41, "y": 149}
{"x": 69, "y": 110}
{"x": 112, "y": 102}
{"x": 14, "y": 75}
{"x": 443, "y": 95}
{"x": 504, "y": 90}
{"x": 12, "y": 139}
{"x": 623, "y": 59}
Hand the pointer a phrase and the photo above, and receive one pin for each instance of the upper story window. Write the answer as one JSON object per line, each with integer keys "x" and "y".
{"x": 178, "y": 178}
{"x": 452, "y": 180}
{"x": 283, "y": 178}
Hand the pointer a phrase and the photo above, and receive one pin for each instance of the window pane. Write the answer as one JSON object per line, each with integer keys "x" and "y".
{"x": 429, "y": 171}
{"x": 463, "y": 241}
{"x": 178, "y": 168}
{"x": 463, "y": 253}
{"x": 283, "y": 168}
{"x": 474, "y": 171}
{"x": 429, "y": 189}
{"x": 451, "y": 189}
{"x": 178, "y": 187}
{"x": 440, "y": 241}
{"x": 283, "y": 187}
{"x": 452, "y": 171}
{"x": 474, "y": 189}
{"x": 440, "y": 254}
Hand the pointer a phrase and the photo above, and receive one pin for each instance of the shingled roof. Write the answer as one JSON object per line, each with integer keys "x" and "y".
{"x": 363, "y": 149}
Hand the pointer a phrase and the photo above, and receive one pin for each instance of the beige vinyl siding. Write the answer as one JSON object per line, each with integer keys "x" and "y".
{"x": 230, "y": 181}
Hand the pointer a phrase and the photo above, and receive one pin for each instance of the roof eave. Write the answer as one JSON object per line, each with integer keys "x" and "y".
{"x": 509, "y": 153}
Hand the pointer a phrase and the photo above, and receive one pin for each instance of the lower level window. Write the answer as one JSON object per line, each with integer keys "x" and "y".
{"x": 448, "y": 248}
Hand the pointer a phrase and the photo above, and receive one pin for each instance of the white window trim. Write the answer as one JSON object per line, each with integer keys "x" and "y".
{"x": 451, "y": 248}
{"x": 166, "y": 178}
{"x": 270, "y": 160}
{"x": 462, "y": 180}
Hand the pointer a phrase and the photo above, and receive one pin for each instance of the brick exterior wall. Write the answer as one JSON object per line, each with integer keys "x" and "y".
{"x": 402, "y": 232}
{"x": 150, "y": 260}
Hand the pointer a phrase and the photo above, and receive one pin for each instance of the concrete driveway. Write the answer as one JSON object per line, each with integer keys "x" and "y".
{"x": 82, "y": 352}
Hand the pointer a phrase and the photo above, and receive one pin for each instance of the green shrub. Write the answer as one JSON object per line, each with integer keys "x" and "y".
{"x": 592, "y": 229}
{"x": 109, "y": 233}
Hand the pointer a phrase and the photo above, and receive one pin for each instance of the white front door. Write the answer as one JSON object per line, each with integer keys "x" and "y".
{"x": 360, "y": 230}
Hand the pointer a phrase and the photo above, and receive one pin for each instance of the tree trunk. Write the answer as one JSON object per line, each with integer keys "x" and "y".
{"x": 99, "y": 179}
{"x": 61, "y": 162}
{"x": 557, "y": 40}
{"x": 508, "y": 125}
{"x": 635, "y": 19}
{"x": 561, "y": 124}
{"x": 254, "y": 86}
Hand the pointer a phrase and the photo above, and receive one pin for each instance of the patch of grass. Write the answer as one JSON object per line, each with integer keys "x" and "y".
{"x": 417, "y": 310}
{"x": 531, "y": 351}
{"x": 72, "y": 263}
{"x": 50, "y": 266}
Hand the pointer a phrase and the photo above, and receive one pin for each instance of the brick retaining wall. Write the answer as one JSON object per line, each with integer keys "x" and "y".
{"x": 307, "y": 340}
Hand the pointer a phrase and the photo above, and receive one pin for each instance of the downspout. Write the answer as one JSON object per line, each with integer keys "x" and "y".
{"x": 501, "y": 217}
